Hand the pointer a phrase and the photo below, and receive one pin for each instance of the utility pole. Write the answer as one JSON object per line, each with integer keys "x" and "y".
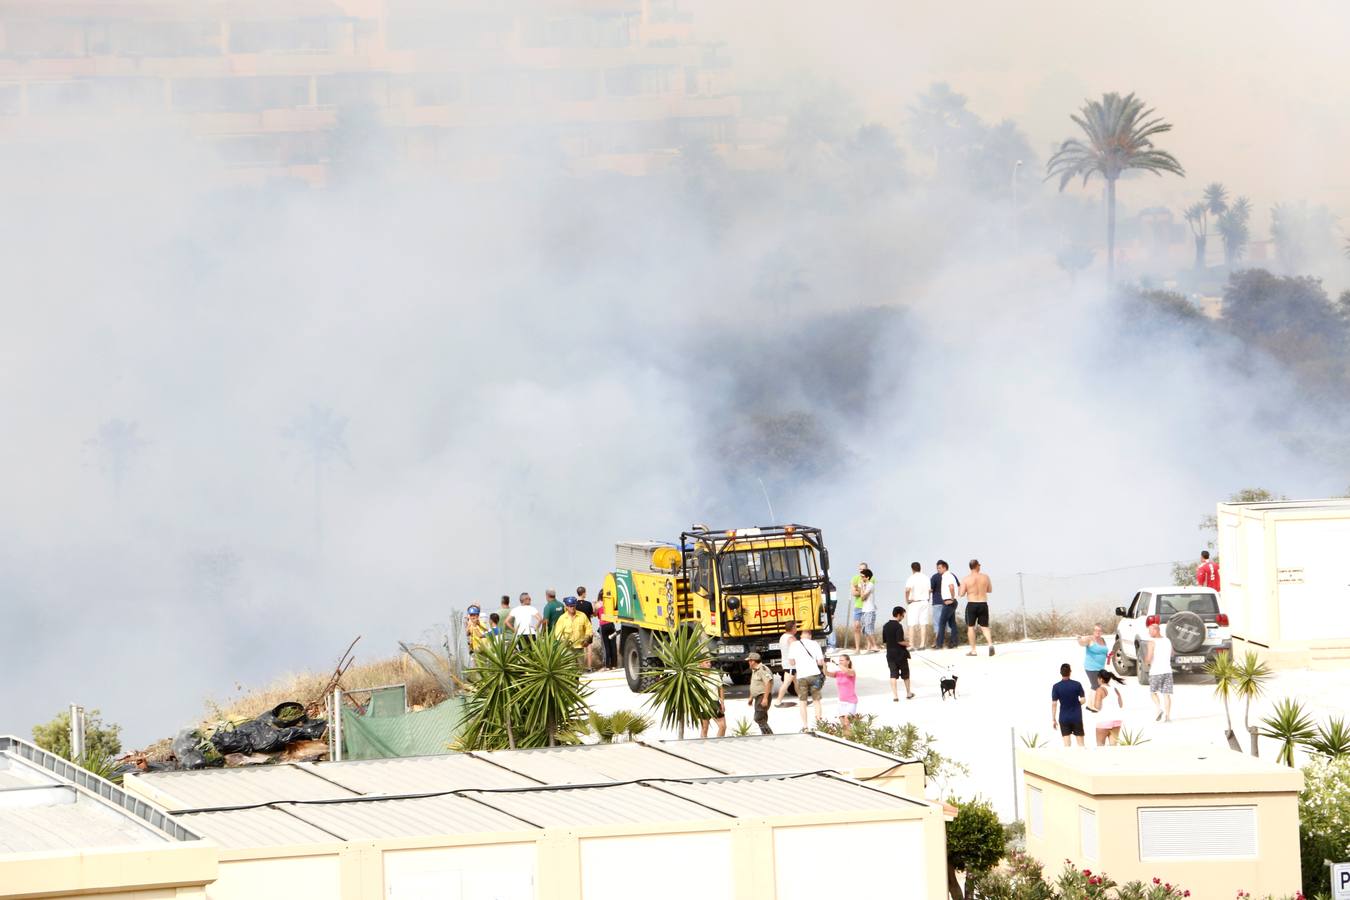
{"x": 76, "y": 732}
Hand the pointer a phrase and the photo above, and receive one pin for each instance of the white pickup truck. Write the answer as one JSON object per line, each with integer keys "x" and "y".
{"x": 1189, "y": 616}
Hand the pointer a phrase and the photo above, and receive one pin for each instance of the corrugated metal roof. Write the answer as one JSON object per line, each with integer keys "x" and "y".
{"x": 48, "y": 803}
{"x": 596, "y": 806}
{"x": 787, "y": 796}
{"x": 419, "y": 774}
{"x": 211, "y": 788}
{"x": 775, "y": 753}
{"x": 594, "y": 763}
{"x": 526, "y": 810}
{"x": 252, "y": 828}
{"x": 419, "y": 817}
{"x": 61, "y": 818}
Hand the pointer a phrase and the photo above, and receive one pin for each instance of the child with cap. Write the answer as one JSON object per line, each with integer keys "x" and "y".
{"x": 473, "y": 629}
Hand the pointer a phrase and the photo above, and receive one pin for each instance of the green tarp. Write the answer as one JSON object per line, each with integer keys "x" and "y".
{"x": 427, "y": 732}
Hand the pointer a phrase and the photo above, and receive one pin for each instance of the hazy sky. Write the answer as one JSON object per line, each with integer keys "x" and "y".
{"x": 1258, "y": 94}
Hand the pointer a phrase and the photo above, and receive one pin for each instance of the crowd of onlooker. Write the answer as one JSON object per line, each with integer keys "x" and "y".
{"x": 574, "y": 619}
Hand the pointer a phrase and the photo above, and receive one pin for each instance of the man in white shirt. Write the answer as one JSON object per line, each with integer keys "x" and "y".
{"x": 807, "y": 658}
{"x": 918, "y": 604}
{"x": 524, "y": 620}
{"x": 1160, "y": 672}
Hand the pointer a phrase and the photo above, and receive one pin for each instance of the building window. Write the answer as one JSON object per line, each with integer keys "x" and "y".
{"x": 1036, "y": 811}
{"x": 1197, "y": 832}
{"x": 1087, "y": 832}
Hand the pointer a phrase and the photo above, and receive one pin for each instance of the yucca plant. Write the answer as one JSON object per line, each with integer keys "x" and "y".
{"x": 623, "y": 723}
{"x": 1130, "y": 738}
{"x": 548, "y": 688}
{"x": 683, "y": 691}
{"x": 1291, "y": 726}
{"x": 742, "y": 727}
{"x": 1250, "y": 677}
{"x": 1224, "y": 672}
{"x": 1331, "y": 740}
{"x": 1119, "y": 132}
{"x": 1033, "y": 741}
{"x": 101, "y": 764}
{"x": 489, "y": 710}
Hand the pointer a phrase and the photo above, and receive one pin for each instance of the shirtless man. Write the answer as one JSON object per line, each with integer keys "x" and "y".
{"x": 976, "y": 588}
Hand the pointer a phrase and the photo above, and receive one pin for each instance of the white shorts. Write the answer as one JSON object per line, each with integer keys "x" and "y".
{"x": 920, "y": 613}
{"x": 848, "y": 709}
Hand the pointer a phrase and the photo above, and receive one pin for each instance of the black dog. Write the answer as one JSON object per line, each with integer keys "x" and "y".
{"x": 948, "y": 684}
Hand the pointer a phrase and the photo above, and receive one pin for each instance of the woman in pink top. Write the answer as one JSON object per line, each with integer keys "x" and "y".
{"x": 846, "y": 680}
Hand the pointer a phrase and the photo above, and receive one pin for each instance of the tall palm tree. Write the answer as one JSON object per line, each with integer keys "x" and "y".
{"x": 1250, "y": 676}
{"x": 323, "y": 435}
{"x": 1196, "y": 218}
{"x": 1235, "y": 231}
{"x": 117, "y": 443}
{"x": 1225, "y": 686}
{"x": 1120, "y": 132}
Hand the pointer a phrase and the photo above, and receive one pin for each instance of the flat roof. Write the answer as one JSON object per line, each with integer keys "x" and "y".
{"x": 1272, "y": 505}
{"x": 527, "y": 811}
{"x": 581, "y": 764}
{"x": 1208, "y": 769}
{"x": 48, "y": 803}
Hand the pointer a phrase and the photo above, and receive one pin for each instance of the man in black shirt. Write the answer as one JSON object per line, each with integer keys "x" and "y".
{"x": 585, "y": 608}
{"x": 897, "y": 653}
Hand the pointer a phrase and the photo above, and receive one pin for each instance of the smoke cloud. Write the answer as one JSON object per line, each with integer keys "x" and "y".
{"x": 244, "y": 426}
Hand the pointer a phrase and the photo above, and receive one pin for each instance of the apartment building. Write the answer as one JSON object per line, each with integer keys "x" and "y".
{"x": 289, "y": 88}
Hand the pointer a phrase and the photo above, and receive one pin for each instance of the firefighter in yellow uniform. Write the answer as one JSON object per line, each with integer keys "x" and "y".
{"x": 574, "y": 629}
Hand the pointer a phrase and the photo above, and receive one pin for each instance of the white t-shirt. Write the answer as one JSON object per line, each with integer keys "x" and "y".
{"x": 917, "y": 585}
{"x": 950, "y": 586}
{"x": 783, "y": 651}
{"x": 1162, "y": 657}
{"x": 869, "y": 598}
{"x": 526, "y": 619}
{"x": 807, "y": 656}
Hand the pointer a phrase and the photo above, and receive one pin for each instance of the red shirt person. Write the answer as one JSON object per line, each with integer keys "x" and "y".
{"x": 1207, "y": 573}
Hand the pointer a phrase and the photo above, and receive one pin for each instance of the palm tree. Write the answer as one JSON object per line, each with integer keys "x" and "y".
{"x": 683, "y": 689}
{"x": 623, "y": 723}
{"x": 1195, "y": 217}
{"x": 1290, "y": 725}
{"x": 323, "y": 434}
{"x": 1225, "y": 686}
{"x": 117, "y": 444}
{"x": 1234, "y": 230}
{"x": 1120, "y": 134}
{"x": 1250, "y": 677}
{"x": 548, "y": 690}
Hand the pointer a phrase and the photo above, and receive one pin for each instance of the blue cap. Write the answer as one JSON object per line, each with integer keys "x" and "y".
{"x": 569, "y": 601}
{"x": 473, "y": 610}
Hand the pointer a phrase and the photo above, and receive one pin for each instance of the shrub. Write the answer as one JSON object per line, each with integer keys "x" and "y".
{"x": 975, "y": 840}
{"x": 100, "y": 741}
{"x": 1324, "y": 819}
{"x": 905, "y": 741}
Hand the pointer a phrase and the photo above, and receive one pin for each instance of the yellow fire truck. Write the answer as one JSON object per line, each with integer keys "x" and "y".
{"x": 738, "y": 587}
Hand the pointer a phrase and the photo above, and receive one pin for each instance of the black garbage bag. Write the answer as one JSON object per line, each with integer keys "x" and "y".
{"x": 187, "y": 751}
{"x": 312, "y": 730}
{"x": 263, "y": 736}
{"x": 230, "y": 741}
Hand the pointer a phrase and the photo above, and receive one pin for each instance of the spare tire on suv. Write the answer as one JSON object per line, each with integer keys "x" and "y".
{"x": 1186, "y": 631}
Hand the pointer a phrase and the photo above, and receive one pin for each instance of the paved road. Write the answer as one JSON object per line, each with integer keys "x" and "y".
{"x": 1010, "y": 694}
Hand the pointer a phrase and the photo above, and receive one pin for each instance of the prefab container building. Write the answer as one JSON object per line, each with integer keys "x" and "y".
{"x": 1285, "y": 579}
{"x": 1206, "y": 818}
{"x": 663, "y": 819}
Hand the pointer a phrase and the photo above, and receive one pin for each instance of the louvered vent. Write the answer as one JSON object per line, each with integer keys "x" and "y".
{"x": 1197, "y": 832}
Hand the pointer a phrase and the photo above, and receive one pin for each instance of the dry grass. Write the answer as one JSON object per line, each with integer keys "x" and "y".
{"x": 308, "y": 687}
{"x": 1052, "y": 624}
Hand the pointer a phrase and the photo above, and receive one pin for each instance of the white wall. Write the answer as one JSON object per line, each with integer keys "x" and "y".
{"x": 313, "y": 877}
{"x": 1313, "y": 573}
{"x": 878, "y": 859}
{"x": 658, "y": 867}
{"x": 491, "y": 872}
